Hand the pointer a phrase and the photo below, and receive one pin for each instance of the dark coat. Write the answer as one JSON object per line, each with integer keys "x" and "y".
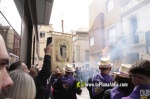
{"x": 41, "y": 78}
{"x": 61, "y": 93}
{"x": 107, "y": 94}
{"x": 90, "y": 88}
{"x": 116, "y": 93}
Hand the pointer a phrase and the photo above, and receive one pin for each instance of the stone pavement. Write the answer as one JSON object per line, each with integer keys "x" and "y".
{"x": 84, "y": 94}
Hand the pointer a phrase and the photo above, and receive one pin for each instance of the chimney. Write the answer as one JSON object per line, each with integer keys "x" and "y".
{"x": 62, "y": 24}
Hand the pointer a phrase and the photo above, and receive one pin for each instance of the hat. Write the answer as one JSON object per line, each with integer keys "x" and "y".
{"x": 69, "y": 68}
{"x": 123, "y": 70}
{"x": 104, "y": 62}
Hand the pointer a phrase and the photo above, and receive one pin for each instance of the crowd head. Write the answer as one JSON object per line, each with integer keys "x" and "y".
{"x": 23, "y": 88}
{"x": 105, "y": 65}
{"x": 69, "y": 69}
{"x": 140, "y": 72}
{"x": 18, "y": 66}
{"x": 33, "y": 72}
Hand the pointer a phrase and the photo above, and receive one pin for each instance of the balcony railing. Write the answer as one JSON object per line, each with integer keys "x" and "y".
{"x": 138, "y": 39}
{"x": 133, "y": 40}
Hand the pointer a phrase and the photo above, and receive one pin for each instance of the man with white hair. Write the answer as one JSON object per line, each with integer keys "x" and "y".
{"x": 5, "y": 80}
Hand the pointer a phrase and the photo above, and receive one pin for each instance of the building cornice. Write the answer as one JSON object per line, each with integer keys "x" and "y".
{"x": 138, "y": 6}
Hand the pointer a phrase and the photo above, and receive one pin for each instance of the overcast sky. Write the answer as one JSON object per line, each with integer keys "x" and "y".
{"x": 73, "y": 12}
{"x": 10, "y": 11}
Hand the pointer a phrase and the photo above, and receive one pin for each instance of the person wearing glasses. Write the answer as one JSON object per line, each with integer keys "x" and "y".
{"x": 140, "y": 75}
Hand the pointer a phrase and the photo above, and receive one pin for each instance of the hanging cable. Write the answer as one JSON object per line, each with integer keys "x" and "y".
{"x": 7, "y": 21}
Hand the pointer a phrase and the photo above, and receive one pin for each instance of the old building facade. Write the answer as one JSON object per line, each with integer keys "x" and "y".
{"x": 81, "y": 49}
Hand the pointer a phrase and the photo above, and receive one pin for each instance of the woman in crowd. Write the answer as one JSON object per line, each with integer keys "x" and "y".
{"x": 23, "y": 87}
{"x": 121, "y": 78}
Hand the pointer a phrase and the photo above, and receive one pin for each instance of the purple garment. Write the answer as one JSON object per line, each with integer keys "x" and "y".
{"x": 104, "y": 78}
{"x": 139, "y": 92}
{"x": 116, "y": 93}
{"x": 67, "y": 81}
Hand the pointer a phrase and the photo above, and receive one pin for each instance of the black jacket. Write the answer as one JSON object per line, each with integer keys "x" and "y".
{"x": 61, "y": 93}
{"x": 41, "y": 78}
{"x": 90, "y": 88}
{"x": 107, "y": 94}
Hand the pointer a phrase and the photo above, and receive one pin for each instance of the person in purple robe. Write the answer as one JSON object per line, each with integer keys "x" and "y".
{"x": 140, "y": 75}
{"x": 66, "y": 86}
{"x": 97, "y": 91}
{"x": 121, "y": 78}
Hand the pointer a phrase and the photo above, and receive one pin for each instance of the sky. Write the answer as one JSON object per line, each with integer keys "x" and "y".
{"x": 73, "y": 12}
{"x": 10, "y": 11}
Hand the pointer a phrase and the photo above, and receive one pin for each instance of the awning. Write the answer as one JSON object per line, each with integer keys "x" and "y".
{"x": 44, "y": 9}
{"x": 40, "y": 10}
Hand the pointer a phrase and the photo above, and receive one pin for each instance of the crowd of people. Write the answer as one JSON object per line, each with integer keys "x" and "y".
{"x": 15, "y": 81}
{"x": 83, "y": 73}
{"x": 132, "y": 81}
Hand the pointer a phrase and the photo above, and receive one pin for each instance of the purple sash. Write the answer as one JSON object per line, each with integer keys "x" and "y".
{"x": 104, "y": 78}
{"x": 140, "y": 92}
{"x": 116, "y": 93}
{"x": 67, "y": 81}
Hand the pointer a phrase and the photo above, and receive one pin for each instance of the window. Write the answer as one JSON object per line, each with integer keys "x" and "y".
{"x": 86, "y": 55}
{"x": 124, "y": 41}
{"x": 77, "y": 53}
{"x": 134, "y": 27}
{"x": 148, "y": 49}
{"x": 91, "y": 41}
{"x": 110, "y": 5}
{"x": 42, "y": 34}
{"x": 112, "y": 35}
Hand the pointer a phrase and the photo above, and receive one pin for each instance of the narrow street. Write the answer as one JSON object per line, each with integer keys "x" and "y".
{"x": 54, "y": 48}
{"x": 84, "y": 95}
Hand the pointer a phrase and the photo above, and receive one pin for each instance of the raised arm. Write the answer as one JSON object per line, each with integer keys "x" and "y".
{"x": 45, "y": 71}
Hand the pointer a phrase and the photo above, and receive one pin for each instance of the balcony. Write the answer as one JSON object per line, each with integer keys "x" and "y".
{"x": 145, "y": 56}
{"x": 129, "y": 6}
{"x": 137, "y": 40}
